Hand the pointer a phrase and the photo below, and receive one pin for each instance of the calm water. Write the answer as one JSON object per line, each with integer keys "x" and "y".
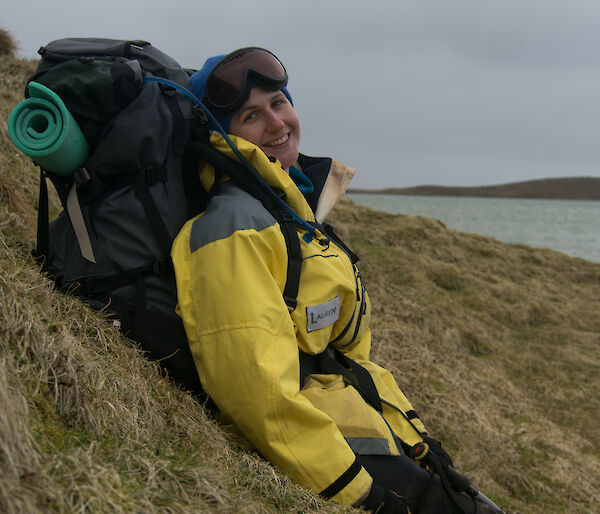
{"x": 569, "y": 226}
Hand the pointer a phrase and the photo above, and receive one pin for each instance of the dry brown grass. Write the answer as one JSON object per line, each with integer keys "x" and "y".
{"x": 496, "y": 345}
{"x": 8, "y": 46}
{"x": 88, "y": 423}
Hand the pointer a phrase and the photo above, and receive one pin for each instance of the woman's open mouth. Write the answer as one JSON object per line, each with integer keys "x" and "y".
{"x": 277, "y": 142}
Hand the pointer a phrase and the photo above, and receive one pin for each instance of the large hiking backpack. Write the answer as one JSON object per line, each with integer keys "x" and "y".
{"x": 123, "y": 207}
{"x": 139, "y": 184}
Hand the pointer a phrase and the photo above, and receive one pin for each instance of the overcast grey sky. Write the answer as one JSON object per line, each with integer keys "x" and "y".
{"x": 409, "y": 92}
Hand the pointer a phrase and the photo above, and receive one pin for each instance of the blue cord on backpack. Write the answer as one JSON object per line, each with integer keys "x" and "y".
{"x": 311, "y": 230}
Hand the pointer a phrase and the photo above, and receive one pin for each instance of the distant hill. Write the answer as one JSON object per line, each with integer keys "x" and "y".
{"x": 568, "y": 188}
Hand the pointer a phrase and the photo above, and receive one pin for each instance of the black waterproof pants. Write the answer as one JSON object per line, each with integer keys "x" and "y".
{"x": 422, "y": 490}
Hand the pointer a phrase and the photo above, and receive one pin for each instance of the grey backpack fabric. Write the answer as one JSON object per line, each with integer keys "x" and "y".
{"x": 122, "y": 209}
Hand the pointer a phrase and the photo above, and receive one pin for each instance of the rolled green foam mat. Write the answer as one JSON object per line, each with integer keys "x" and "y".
{"x": 43, "y": 128}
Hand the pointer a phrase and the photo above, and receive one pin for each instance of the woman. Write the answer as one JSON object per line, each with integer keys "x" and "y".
{"x": 280, "y": 369}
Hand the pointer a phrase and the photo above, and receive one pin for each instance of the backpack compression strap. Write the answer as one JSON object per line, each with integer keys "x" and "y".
{"x": 78, "y": 224}
{"x": 42, "y": 244}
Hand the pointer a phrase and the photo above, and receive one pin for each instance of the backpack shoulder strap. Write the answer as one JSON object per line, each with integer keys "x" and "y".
{"x": 294, "y": 264}
{"x": 239, "y": 174}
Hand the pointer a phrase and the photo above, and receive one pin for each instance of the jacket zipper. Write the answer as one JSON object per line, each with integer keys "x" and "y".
{"x": 359, "y": 296}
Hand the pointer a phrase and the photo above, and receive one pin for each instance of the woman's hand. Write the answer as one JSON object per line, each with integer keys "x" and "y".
{"x": 380, "y": 501}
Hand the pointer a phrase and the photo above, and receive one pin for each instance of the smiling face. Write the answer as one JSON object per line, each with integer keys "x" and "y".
{"x": 269, "y": 120}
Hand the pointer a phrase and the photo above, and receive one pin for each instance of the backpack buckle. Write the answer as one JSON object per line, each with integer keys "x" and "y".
{"x": 200, "y": 115}
{"x": 290, "y": 302}
{"x": 81, "y": 176}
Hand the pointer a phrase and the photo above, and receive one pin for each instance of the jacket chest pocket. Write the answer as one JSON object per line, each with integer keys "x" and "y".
{"x": 332, "y": 302}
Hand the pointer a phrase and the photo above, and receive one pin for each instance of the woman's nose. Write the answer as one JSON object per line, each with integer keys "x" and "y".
{"x": 275, "y": 122}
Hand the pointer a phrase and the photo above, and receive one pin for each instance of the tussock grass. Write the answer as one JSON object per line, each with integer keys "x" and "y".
{"x": 8, "y": 45}
{"x": 495, "y": 344}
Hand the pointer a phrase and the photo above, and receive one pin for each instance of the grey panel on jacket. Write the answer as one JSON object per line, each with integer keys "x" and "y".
{"x": 232, "y": 209}
{"x": 369, "y": 445}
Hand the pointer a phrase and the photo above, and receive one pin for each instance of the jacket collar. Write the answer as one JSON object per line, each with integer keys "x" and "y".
{"x": 329, "y": 177}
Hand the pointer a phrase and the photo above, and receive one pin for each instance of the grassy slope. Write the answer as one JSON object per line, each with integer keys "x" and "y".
{"x": 86, "y": 422}
{"x": 496, "y": 345}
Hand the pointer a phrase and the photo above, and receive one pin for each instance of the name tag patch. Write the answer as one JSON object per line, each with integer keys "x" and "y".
{"x": 322, "y": 315}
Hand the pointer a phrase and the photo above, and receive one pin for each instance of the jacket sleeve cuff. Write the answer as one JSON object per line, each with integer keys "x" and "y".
{"x": 350, "y": 486}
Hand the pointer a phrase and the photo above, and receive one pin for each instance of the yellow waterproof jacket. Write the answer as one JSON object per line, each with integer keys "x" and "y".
{"x": 231, "y": 264}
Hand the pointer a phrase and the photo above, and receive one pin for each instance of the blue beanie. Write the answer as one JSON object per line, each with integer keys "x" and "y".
{"x": 198, "y": 85}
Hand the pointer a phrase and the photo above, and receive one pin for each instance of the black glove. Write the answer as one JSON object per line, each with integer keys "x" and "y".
{"x": 435, "y": 447}
{"x": 440, "y": 457}
{"x": 381, "y": 501}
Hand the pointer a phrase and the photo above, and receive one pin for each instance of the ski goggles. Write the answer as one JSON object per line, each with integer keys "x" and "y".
{"x": 229, "y": 83}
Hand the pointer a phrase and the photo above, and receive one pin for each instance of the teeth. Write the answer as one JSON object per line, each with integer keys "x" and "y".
{"x": 279, "y": 141}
